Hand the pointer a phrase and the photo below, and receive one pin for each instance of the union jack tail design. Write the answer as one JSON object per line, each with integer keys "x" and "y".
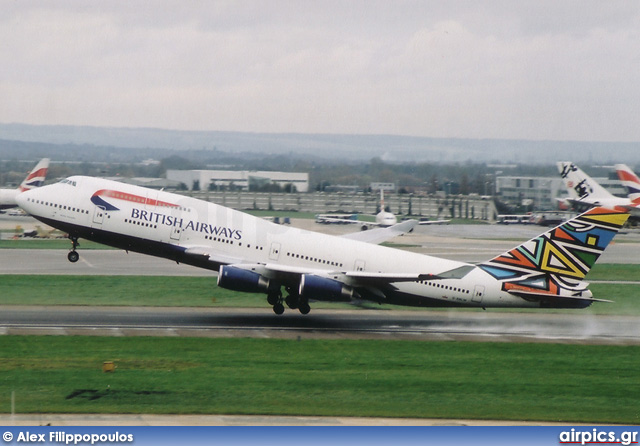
{"x": 554, "y": 263}
{"x": 36, "y": 177}
{"x": 630, "y": 180}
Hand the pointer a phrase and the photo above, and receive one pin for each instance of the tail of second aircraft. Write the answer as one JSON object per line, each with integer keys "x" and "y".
{"x": 581, "y": 186}
{"x": 36, "y": 177}
{"x": 550, "y": 268}
{"x": 630, "y": 180}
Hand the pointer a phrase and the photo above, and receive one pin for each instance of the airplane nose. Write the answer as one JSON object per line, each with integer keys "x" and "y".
{"x": 24, "y": 199}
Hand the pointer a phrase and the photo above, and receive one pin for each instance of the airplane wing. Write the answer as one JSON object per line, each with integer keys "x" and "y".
{"x": 347, "y": 219}
{"x": 351, "y": 278}
{"x": 207, "y": 253}
{"x": 434, "y": 222}
{"x": 379, "y": 235}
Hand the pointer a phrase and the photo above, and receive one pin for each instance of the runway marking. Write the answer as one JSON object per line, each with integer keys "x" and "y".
{"x": 86, "y": 262}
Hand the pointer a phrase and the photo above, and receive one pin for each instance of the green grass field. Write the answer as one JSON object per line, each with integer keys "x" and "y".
{"x": 63, "y": 244}
{"x": 163, "y": 375}
{"x": 538, "y": 382}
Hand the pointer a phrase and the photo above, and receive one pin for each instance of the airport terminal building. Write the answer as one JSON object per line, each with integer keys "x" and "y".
{"x": 542, "y": 192}
{"x": 238, "y": 179}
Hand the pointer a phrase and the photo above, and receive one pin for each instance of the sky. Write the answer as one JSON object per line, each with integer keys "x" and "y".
{"x": 526, "y": 69}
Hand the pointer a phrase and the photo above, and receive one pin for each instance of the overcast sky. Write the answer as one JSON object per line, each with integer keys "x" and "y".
{"x": 540, "y": 69}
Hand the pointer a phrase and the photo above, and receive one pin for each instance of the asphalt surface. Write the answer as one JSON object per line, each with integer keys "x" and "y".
{"x": 327, "y": 324}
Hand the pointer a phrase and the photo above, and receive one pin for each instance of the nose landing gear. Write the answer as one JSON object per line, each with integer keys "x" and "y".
{"x": 73, "y": 255}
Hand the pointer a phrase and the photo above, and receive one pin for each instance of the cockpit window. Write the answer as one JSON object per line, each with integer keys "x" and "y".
{"x": 68, "y": 181}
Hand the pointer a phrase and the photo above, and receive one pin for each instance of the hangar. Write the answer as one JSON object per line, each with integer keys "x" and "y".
{"x": 238, "y": 179}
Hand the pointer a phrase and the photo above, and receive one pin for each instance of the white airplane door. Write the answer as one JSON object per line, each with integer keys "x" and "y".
{"x": 359, "y": 265}
{"x": 478, "y": 293}
{"x": 98, "y": 216}
{"x": 176, "y": 232}
{"x": 274, "y": 253}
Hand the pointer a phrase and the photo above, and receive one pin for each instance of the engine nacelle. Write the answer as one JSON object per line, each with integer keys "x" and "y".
{"x": 323, "y": 288}
{"x": 238, "y": 279}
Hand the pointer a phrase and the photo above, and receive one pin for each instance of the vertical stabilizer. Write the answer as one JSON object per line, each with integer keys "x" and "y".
{"x": 630, "y": 180}
{"x": 581, "y": 186}
{"x": 554, "y": 263}
{"x": 36, "y": 177}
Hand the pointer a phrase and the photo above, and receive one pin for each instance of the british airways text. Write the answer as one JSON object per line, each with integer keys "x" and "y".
{"x": 168, "y": 220}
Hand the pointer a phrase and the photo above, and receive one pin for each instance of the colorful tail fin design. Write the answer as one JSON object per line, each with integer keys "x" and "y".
{"x": 36, "y": 177}
{"x": 560, "y": 258}
{"x": 630, "y": 180}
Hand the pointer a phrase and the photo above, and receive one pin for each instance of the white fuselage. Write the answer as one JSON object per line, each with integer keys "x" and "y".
{"x": 385, "y": 219}
{"x": 174, "y": 226}
{"x": 8, "y": 198}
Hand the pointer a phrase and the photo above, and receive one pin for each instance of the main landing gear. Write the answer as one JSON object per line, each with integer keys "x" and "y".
{"x": 73, "y": 255}
{"x": 293, "y": 301}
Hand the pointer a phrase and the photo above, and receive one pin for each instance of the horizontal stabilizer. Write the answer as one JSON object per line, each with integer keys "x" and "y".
{"x": 545, "y": 296}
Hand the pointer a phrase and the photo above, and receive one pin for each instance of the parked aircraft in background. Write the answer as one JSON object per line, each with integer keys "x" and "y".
{"x": 254, "y": 255}
{"x": 384, "y": 219}
{"x": 337, "y": 219}
{"x": 35, "y": 178}
{"x": 586, "y": 192}
{"x": 630, "y": 180}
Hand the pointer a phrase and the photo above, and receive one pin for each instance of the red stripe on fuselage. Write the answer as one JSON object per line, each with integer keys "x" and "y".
{"x": 133, "y": 198}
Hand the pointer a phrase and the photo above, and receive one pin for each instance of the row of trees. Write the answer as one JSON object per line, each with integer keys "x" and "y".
{"x": 457, "y": 178}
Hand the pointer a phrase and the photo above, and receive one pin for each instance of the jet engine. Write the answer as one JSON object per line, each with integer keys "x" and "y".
{"x": 323, "y": 288}
{"x": 238, "y": 279}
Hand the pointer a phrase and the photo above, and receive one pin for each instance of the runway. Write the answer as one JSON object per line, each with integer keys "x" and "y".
{"x": 324, "y": 324}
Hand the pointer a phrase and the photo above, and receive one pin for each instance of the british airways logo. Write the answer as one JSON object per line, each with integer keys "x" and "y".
{"x": 195, "y": 226}
{"x": 159, "y": 218}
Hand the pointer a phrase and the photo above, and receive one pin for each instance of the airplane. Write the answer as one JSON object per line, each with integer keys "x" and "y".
{"x": 584, "y": 191}
{"x": 35, "y": 178}
{"x": 384, "y": 219}
{"x": 630, "y": 180}
{"x": 254, "y": 255}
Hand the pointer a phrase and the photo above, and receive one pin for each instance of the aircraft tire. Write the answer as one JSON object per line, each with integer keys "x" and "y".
{"x": 304, "y": 308}
{"x": 73, "y": 256}
{"x": 274, "y": 298}
{"x": 278, "y": 309}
